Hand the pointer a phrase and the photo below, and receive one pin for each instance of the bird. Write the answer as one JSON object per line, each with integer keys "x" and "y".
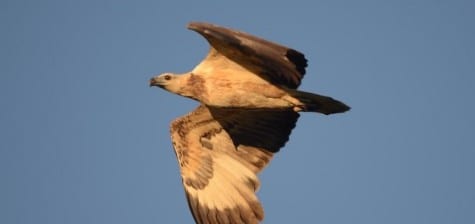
{"x": 249, "y": 103}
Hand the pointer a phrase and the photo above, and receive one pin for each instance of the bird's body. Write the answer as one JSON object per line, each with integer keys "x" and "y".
{"x": 246, "y": 93}
{"x": 247, "y": 88}
{"x": 210, "y": 82}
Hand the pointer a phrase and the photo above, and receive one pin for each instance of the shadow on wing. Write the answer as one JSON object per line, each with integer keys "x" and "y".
{"x": 260, "y": 128}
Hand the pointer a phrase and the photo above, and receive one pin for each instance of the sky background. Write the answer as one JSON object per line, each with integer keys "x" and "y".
{"x": 83, "y": 139}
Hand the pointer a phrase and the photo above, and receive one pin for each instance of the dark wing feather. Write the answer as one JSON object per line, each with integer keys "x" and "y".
{"x": 273, "y": 62}
{"x": 266, "y": 129}
{"x": 220, "y": 152}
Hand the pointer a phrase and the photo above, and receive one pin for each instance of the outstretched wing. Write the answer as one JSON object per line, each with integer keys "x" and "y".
{"x": 275, "y": 63}
{"x": 220, "y": 151}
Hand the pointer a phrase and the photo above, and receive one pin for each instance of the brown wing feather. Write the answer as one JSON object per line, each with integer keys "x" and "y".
{"x": 273, "y": 62}
{"x": 266, "y": 129}
{"x": 220, "y": 151}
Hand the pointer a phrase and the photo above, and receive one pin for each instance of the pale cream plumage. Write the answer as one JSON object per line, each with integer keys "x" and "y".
{"x": 249, "y": 104}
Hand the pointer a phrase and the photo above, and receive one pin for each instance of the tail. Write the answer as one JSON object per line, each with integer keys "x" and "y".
{"x": 318, "y": 103}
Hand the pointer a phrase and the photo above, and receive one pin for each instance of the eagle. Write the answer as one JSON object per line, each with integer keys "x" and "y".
{"x": 249, "y": 104}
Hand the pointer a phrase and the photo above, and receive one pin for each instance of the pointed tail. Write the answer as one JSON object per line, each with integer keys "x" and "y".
{"x": 318, "y": 103}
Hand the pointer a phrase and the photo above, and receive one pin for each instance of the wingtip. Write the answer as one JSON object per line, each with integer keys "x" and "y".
{"x": 191, "y": 25}
{"x": 196, "y": 25}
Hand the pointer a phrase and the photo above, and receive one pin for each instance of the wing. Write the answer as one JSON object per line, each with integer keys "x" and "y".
{"x": 273, "y": 62}
{"x": 220, "y": 152}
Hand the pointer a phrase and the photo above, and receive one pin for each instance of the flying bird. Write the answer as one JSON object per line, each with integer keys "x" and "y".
{"x": 249, "y": 104}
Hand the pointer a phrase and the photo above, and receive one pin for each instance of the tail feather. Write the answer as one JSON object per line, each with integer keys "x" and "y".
{"x": 318, "y": 103}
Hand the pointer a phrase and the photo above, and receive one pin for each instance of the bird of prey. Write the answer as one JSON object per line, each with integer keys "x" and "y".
{"x": 249, "y": 104}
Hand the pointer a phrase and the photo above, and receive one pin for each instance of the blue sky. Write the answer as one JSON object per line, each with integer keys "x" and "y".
{"x": 85, "y": 140}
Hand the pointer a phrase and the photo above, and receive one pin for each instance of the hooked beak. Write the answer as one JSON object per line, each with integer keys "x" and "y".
{"x": 155, "y": 81}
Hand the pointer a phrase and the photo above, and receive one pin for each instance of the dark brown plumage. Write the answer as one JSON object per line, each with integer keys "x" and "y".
{"x": 275, "y": 63}
{"x": 247, "y": 87}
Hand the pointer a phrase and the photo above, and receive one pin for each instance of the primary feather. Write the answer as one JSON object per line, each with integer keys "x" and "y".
{"x": 247, "y": 89}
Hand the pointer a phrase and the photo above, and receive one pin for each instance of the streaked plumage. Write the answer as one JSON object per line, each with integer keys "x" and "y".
{"x": 249, "y": 104}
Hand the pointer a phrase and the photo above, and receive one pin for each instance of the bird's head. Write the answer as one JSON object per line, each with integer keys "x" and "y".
{"x": 167, "y": 81}
{"x": 162, "y": 80}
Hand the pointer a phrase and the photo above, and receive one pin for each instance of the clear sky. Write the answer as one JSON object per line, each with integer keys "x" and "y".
{"x": 83, "y": 139}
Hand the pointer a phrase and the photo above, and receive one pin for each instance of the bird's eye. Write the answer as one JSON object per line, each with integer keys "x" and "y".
{"x": 168, "y": 77}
